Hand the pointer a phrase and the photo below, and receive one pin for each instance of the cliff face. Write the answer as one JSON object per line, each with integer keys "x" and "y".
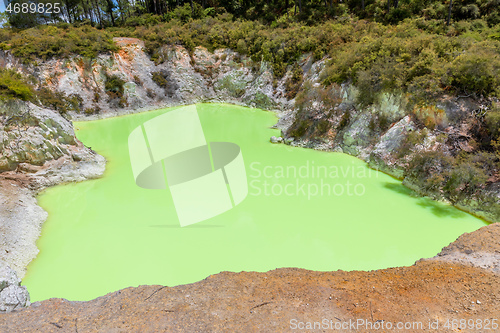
{"x": 40, "y": 143}
{"x": 179, "y": 78}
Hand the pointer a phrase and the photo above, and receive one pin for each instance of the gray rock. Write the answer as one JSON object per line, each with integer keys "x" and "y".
{"x": 382, "y": 158}
{"x": 393, "y": 138}
{"x": 357, "y": 136}
{"x": 276, "y": 139}
{"x": 7, "y": 276}
{"x": 12, "y": 294}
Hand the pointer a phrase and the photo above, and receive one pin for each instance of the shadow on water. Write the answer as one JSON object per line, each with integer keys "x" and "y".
{"x": 399, "y": 188}
{"x": 440, "y": 209}
{"x": 436, "y": 208}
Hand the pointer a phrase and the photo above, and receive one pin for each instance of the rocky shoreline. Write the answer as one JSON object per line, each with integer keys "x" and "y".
{"x": 45, "y": 152}
{"x": 33, "y": 145}
{"x": 329, "y": 119}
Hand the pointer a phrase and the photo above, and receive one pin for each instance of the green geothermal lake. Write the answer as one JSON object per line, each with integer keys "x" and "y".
{"x": 305, "y": 208}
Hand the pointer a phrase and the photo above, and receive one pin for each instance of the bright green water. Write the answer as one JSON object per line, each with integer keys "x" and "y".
{"x": 106, "y": 234}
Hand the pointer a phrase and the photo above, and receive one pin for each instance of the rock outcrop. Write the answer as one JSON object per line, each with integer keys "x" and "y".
{"x": 38, "y": 149}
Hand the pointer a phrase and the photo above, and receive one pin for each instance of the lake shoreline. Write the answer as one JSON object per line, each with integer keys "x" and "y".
{"x": 223, "y": 123}
{"x": 88, "y": 165}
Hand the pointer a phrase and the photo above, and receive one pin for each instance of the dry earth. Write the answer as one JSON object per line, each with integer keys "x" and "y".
{"x": 437, "y": 289}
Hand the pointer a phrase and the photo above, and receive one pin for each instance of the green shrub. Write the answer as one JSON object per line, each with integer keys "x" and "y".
{"x": 49, "y": 41}
{"x": 59, "y": 101}
{"x": 52, "y": 100}
{"x": 412, "y": 139}
{"x": 293, "y": 83}
{"x": 322, "y": 127}
{"x": 429, "y": 116}
{"x": 150, "y": 93}
{"x": 460, "y": 179}
{"x": 96, "y": 98}
{"x": 429, "y": 168}
{"x": 475, "y": 72}
{"x": 14, "y": 85}
{"x": 232, "y": 86}
{"x": 345, "y": 120}
{"x": 464, "y": 181}
{"x": 379, "y": 123}
{"x": 93, "y": 110}
{"x": 299, "y": 128}
{"x": 114, "y": 85}
{"x": 163, "y": 79}
{"x": 160, "y": 79}
{"x": 137, "y": 80}
{"x": 492, "y": 119}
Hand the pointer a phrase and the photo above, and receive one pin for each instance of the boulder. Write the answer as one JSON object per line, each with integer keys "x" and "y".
{"x": 12, "y": 295}
{"x": 276, "y": 139}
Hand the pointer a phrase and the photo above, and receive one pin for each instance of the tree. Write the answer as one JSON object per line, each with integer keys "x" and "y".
{"x": 109, "y": 9}
{"x": 449, "y": 13}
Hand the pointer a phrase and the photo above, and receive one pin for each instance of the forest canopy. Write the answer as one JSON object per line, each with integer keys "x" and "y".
{"x": 105, "y": 13}
{"x": 423, "y": 55}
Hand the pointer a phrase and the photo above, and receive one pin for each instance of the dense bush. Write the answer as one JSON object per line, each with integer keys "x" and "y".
{"x": 459, "y": 178}
{"x": 44, "y": 42}
{"x": 429, "y": 116}
{"x": 493, "y": 121}
{"x": 59, "y": 101}
{"x": 423, "y": 56}
{"x": 426, "y": 64}
{"x": 114, "y": 87}
{"x": 13, "y": 85}
{"x": 114, "y": 84}
{"x": 476, "y": 71}
{"x": 318, "y": 111}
